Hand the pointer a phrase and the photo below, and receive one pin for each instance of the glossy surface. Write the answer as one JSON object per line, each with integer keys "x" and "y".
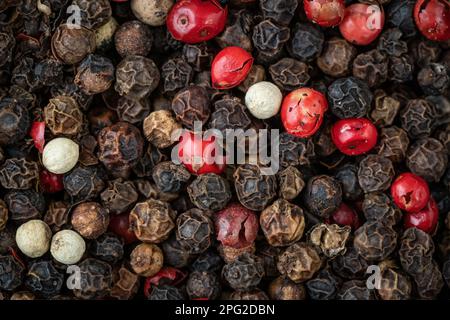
{"x": 410, "y": 192}
{"x": 50, "y": 182}
{"x": 120, "y": 225}
{"x": 432, "y": 18}
{"x": 354, "y": 136}
{"x": 425, "y": 220}
{"x": 326, "y": 13}
{"x": 230, "y": 67}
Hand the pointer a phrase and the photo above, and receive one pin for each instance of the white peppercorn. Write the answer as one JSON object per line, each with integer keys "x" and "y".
{"x": 60, "y": 155}
{"x": 263, "y": 100}
{"x": 67, "y": 247}
{"x": 33, "y": 238}
{"x": 151, "y": 12}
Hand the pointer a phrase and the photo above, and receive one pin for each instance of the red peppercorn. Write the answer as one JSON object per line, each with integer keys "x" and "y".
{"x": 302, "y": 112}
{"x": 325, "y": 13}
{"x": 120, "y": 225}
{"x": 433, "y": 19}
{"x": 345, "y": 216}
{"x": 194, "y": 21}
{"x": 51, "y": 182}
{"x": 425, "y": 220}
{"x": 354, "y": 136}
{"x": 37, "y": 133}
{"x": 362, "y": 23}
{"x": 410, "y": 192}
{"x": 198, "y": 154}
{"x": 236, "y": 226}
{"x": 230, "y": 67}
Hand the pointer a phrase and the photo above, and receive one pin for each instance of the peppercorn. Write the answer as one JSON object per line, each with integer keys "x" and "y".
{"x": 95, "y": 74}
{"x": 290, "y": 183}
{"x": 418, "y": 118}
{"x": 207, "y": 262}
{"x": 12, "y": 273}
{"x": 67, "y": 247}
{"x": 3, "y": 214}
{"x": 22, "y": 296}
{"x": 49, "y": 72}
{"x": 95, "y": 279}
{"x": 281, "y": 12}
{"x": 90, "y": 219}
{"x": 400, "y": 14}
{"x": 159, "y": 127}
{"x": 63, "y": 116}
{"x": 176, "y": 254}
{"x": 146, "y": 259}
{"x": 355, "y": 290}
{"x": 375, "y": 173}
{"x": 429, "y": 283}
{"x": 60, "y": 155}
{"x": 394, "y": 284}
{"x": 378, "y": 207}
{"x": 229, "y": 254}
{"x": 170, "y": 177}
{"x": 385, "y": 109}
{"x": 71, "y": 45}
{"x": 44, "y": 279}
{"x": 25, "y": 205}
{"x": 336, "y": 57}
{"x": 372, "y": 67}
{"x": 85, "y": 183}
{"x": 107, "y": 247}
{"x": 152, "y": 221}
{"x": 238, "y": 31}
{"x": 229, "y": 113}
{"x": 150, "y": 159}
{"x": 306, "y": 42}
{"x": 119, "y": 196}
{"x": 166, "y": 293}
{"x": 14, "y": 121}
{"x": 199, "y": 56}
{"x": 104, "y": 35}
{"x": 133, "y": 38}
{"x": 263, "y": 100}
{"x": 136, "y": 77}
{"x": 209, "y": 192}
{"x": 323, "y": 195}
{"x": 195, "y": 230}
{"x": 244, "y": 273}
{"x": 324, "y": 285}
{"x": 191, "y": 104}
{"x": 33, "y": 238}
{"x": 393, "y": 144}
{"x": 401, "y": 68}
{"x": 18, "y": 174}
{"x": 95, "y": 15}
{"x": 7, "y": 44}
{"x": 289, "y": 74}
{"x": 347, "y": 175}
{"x": 390, "y": 43}
{"x": 151, "y": 12}
{"x": 254, "y": 191}
{"x": 126, "y": 285}
{"x": 284, "y": 289}
{"x": 299, "y": 262}
{"x": 269, "y": 39}
{"x": 203, "y": 285}
{"x": 330, "y": 239}
{"x": 375, "y": 241}
{"x": 255, "y": 294}
{"x": 283, "y": 223}
{"x": 177, "y": 74}
{"x": 257, "y": 74}
{"x": 425, "y": 52}
{"x": 295, "y": 151}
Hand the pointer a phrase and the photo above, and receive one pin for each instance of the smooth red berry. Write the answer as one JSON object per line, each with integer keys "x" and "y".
{"x": 345, "y": 216}
{"x": 425, "y": 220}
{"x": 120, "y": 225}
{"x": 433, "y": 19}
{"x": 362, "y": 23}
{"x": 230, "y": 67}
{"x": 51, "y": 182}
{"x": 194, "y": 21}
{"x": 354, "y": 136}
{"x": 236, "y": 226}
{"x": 198, "y": 154}
{"x": 37, "y": 133}
{"x": 410, "y": 192}
{"x": 325, "y": 13}
{"x": 302, "y": 112}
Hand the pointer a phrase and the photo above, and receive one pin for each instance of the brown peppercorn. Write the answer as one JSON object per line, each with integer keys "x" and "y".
{"x": 191, "y": 104}
{"x": 377, "y": 206}
{"x": 375, "y": 173}
{"x": 394, "y": 284}
{"x": 90, "y": 219}
{"x": 375, "y": 241}
{"x": 385, "y": 110}
{"x": 14, "y": 121}
{"x": 372, "y": 67}
{"x": 299, "y": 262}
{"x": 209, "y": 192}
{"x": 256, "y": 294}
{"x": 126, "y": 284}
{"x": 203, "y": 285}
{"x": 119, "y": 196}
{"x": 229, "y": 113}
{"x": 132, "y": 111}
{"x": 289, "y": 74}
{"x": 245, "y": 273}
{"x": 427, "y": 158}
{"x": 393, "y": 144}
{"x": 133, "y": 38}
{"x": 230, "y": 254}
{"x": 257, "y": 74}
{"x": 170, "y": 177}
{"x": 283, "y": 223}
{"x": 284, "y": 289}
{"x": 94, "y": 15}
{"x": 22, "y": 296}
{"x": 136, "y": 77}
{"x": 57, "y": 215}
{"x": 336, "y": 57}
{"x": 120, "y": 147}
{"x": 195, "y": 230}
{"x": 418, "y": 118}
{"x": 355, "y": 290}
{"x": 95, "y": 74}
{"x": 3, "y": 214}
{"x": 323, "y": 195}
{"x": 330, "y": 239}
{"x": 350, "y": 265}
{"x": 254, "y": 190}
{"x": 7, "y": 44}
{"x": 151, "y": 158}
{"x": 290, "y": 183}
{"x": 101, "y": 117}
{"x": 71, "y": 45}
{"x": 95, "y": 279}
{"x": 199, "y": 56}
{"x": 88, "y": 145}
{"x": 295, "y": 151}
{"x": 238, "y": 32}
{"x": 18, "y": 173}
{"x": 152, "y": 221}
{"x": 176, "y": 254}
{"x": 159, "y": 127}
{"x": 146, "y": 259}
{"x": 429, "y": 283}
{"x": 416, "y": 251}
{"x": 63, "y": 116}
{"x": 269, "y": 39}
{"x": 177, "y": 74}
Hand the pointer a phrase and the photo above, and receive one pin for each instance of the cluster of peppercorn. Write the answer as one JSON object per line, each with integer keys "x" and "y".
{"x": 92, "y": 92}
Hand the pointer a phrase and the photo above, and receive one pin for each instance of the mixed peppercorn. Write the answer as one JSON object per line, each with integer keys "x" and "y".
{"x": 90, "y": 103}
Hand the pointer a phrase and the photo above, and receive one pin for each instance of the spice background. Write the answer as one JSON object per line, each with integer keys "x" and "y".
{"x": 92, "y": 207}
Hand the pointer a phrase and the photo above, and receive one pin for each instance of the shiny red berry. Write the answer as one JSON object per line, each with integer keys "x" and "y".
{"x": 354, "y": 136}
{"x": 51, "y": 182}
{"x": 410, "y": 192}
{"x": 362, "y": 23}
{"x": 325, "y": 13}
{"x": 302, "y": 112}
{"x": 425, "y": 220}
{"x": 120, "y": 225}
{"x": 194, "y": 21}
{"x": 37, "y": 133}
{"x": 200, "y": 155}
{"x": 345, "y": 216}
{"x": 230, "y": 67}
{"x": 236, "y": 226}
{"x": 433, "y": 19}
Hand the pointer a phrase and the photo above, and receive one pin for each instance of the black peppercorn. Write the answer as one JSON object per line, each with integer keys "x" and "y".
{"x": 323, "y": 286}
{"x": 323, "y": 195}
{"x": 90, "y": 219}
{"x": 394, "y": 284}
{"x": 244, "y": 273}
{"x": 177, "y": 74}
{"x": 229, "y": 113}
{"x": 14, "y": 121}
{"x": 207, "y": 262}
{"x": 7, "y": 44}
{"x": 400, "y": 14}
{"x": 375, "y": 241}
{"x": 3, "y": 215}
{"x": 372, "y": 67}
{"x": 203, "y": 285}
{"x": 284, "y": 289}
{"x": 251, "y": 295}
{"x": 299, "y": 262}
{"x": 269, "y": 39}
{"x": 195, "y": 230}
{"x": 238, "y": 32}
{"x": 166, "y": 293}
{"x": 209, "y": 192}
{"x": 295, "y": 151}
{"x": 95, "y": 279}
{"x": 132, "y": 111}
{"x": 418, "y": 118}
{"x": 126, "y": 284}
{"x": 289, "y": 74}
{"x": 355, "y": 290}
{"x": 49, "y": 72}
{"x": 393, "y": 144}
{"x": 290, "y": 183}
{"x": 119, "y": 196}
{"x": 280, "y": 11}
{"x": 133, "y": 38}
{"x": 69, "y": 88}
{"x": 429, "y": 283}
{"x": 390, "y": 43}
{"x": 44, "y": 279}
{"x": 176, "y": 253}
{"x": 11, "y": 273}
{"x": 425, "y": 52}
{"x": 306, "y": 42}
{"x": 434, "y": 79}
{"x": 416, "y": 251}
{"x": 191, "y": 104}
{"x": 375, "y": 173}
{"x": 350, "y": 265}
{"x": 94, "y": 15}
{"x": 25, "y": 205}
{"x": 170, "y": 177}
{"x": 401, "y": 68}
{"x": 385, "y": 109}
{"x": 108, "y": 247}
{"x": 378, "y": 207}
{"x": 257, "y": 74}
{"x": 330, "y": 239}
{"x": 84, "y": 183}
{"x": 18, "y": 174}
{"x": 199, "y": 56}
{"x": 95, "y": 74}
{"x": 347, "y": 175}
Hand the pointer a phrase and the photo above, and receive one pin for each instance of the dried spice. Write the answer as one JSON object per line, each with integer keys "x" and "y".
{"x": 284, "y": 289}
{"x": 336, "y": 58}
{"x": 146, "y": 259}
{"x": 209, "y": 192}
{"x": 195, "y": 230}
{"x": 244, "y": 273}
{"x": 63, "y": 116}
{"x": 331, "y": 239}
{"x": 299, "y": 262}
{"x": 90, "y": 219}
{"x": 375, "y": 173}
{"x": 323, "y": 195}
{"x": 18, "y": 174}
{"x": 159, "y": 127}
{"x": 375, "y": 241}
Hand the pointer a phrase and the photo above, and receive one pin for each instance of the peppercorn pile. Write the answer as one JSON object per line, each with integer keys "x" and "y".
{"x": 93, "y": 207}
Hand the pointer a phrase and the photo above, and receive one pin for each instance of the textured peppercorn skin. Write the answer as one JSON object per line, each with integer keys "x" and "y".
{"x": 25, "y": 205}
{"x": 71, "y": 45}
{"x": 306, "y": 42}
{"x": 96, "y": 279}
{"x": 11, "y": 273}
{"x": 195, "y": 230}
{"x": 166, "y": 293}
{"x": 14, "y": 121}
{"x": 374, "y": 241}
{"x": 289, "y": 74}
{"x": 229, "y": 113}
{"x": 108, "y": 247}
{"x": 284, "y": 289}
{"x": 299, "y": 262}
{"x": 203, "y": 285}
{"x": 90, "y": 219}
{"x": 350, "y": 265}
{"x": 323, "y": 195}
{"x": 375, "y": 173}
{"x": 209, "y": 192}
{"x": 7, "y": 43}
{"x": 177, "y": 74}
{"x": 133, "y": 38}
{"x": 191, "y": 104}
{"x": 44, "y": 279}
{"x": 84, "y": 183}
{"x": 355, "y": 290}
{"x": 18, "y": 173}
{"x": 119, "y": 196}
{"x": 170, "y": 177}
{"x": 244, "y": 273}
{"x": 394, "y": 285}
{"x": 324, "y": 285}
{"x": 336, "y": 57}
